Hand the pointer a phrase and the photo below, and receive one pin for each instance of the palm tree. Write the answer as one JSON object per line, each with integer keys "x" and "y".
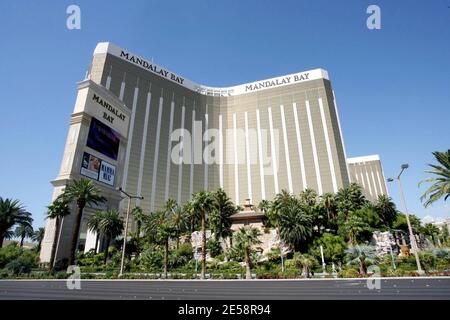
{"x": 23, "y": 232}
{"x": 180, "y": 223}
{"x": 159, "y": 228}
{"x": 386, "y": 210}
{"x": 139, "y": 217}
{"x": 93, "y": 225}
{"x": 329, "y": 203}
{"x": 295, "y": 225}
{"x": 353, "y": 227}
{"x": 219, "y": 220}
{"x": 244, "y": 240}
{"x": 431, "y": 231}
{"x": 440, "y": 187}
{"x": 308, "y": 197}
{"x": 202, "y": 204}
{"x": 12, "y": 212}
{"x": 38, "y": 236}
{"x": 305, "y": 262}
{"x": 84, "y": 192}
{"x": 110, "y": 226}
{"x": 57, "y": 210}
{"x": 362, "y": 254}
{"x": 349, "y": 199}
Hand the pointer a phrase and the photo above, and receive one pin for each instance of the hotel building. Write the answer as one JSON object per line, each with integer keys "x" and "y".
{"x": 154, "y": 133}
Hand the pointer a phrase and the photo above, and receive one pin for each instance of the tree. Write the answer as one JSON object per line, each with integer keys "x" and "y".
{"x": 244, "y": 241}
{"x": 23, "y": 232}
{"x": 279, "y": 205}
{"x": 265, "y": 206}
{"x": 202, "y": 204}
{"x": 353, "y": 227}
{"x": 139, "y": 217}
{"x": 329, "y": 203}
{"x": 160, "y": 228}
{"x": 38, "y": 236}
{"x": 440, "y": 187}
{"x": 361, "y": 254}
{"x": 180, "y": 223}
{"x": 305, "y": 262}
{"x": 57, "y": 210}
{"x": 84, "y": 192}
{"x": 93, "y": 225}
{"x": 431, "y": 231}
{"x": 349, "y": 199}
{"x": 400, "y": 223}
{"x": 110, "y": 227}
{"x": 295, "y": 225}
{"x": 12, "y": 212}
{"x": 219, "y": 220}
{"x": 386, "y": 210}
{"x": 309, "y": 197}
{"x": 333, "y": 247}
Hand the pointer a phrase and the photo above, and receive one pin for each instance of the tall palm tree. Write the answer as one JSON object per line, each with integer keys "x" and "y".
{"x": 386, "y": 210}
{"x": 93, "y": 225}
{"x": 349, "y": 199}
{"x": 431, "y": 231}
{"x": 361, "y": 254}
{"x": 180, "y": 223}
{"x": 84, "y": 192}
{"x": 38, "y": 236}
{"x": 12, "y": 212}
{"x": 303, "y": 261}
{"x": 219, "y": 220}
{"x": 159, "y": 228}
{"x": 202, "y": 205}
{"x": 295, "y": 225}
{"x": 57, "y": 210}
{"x": 110, "y": 227}
{"x": 353, "y": 227}
{"x": 139, "y": 216}
{"x": 329, "y": 203}
{"x": 440, "y": 187}
{"x": 244, "y": 241}
{"x": 23, "y": 232}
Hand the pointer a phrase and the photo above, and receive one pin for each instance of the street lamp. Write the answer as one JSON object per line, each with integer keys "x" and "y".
{"x": 126, "y": 227}
{"x": 411, "y": 234}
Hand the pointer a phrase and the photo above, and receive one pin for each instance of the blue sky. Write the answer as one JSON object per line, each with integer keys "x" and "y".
{"x": 392, "y": 85}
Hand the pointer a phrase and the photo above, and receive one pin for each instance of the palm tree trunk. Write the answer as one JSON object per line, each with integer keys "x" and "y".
{"x": 362, "y": 266}
{"x": 166, "y": 257}
{"x": 97, "y": 238}
{"x": 203, "y": 247}
{"x": 1, "y": 240}
{"x": 76, "y": 231}
{"x": 21, "y": 241}
{"x": 305, "y": 272}
{"x": 55, "y": 242}
{"x": 105, "y": 258}
{"x": 248, "y": 270}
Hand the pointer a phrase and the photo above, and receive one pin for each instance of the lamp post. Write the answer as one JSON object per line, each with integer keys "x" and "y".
{"x": 126, "y": 227}
{"x": 411, "y": 234}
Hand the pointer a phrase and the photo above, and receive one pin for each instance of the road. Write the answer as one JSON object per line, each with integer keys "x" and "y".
{"x": 391, "y": 288}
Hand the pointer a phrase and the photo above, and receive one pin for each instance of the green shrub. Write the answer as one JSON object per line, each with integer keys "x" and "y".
{"x": 348, "y": 273}
{"x": 214, "y": 247}
{"x": 19, "y": 266}
{"x": 10, "y": 253}
{"x": 152, "y": 258}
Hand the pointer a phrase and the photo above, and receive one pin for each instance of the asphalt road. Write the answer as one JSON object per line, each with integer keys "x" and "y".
{"x": 392, "y": 288}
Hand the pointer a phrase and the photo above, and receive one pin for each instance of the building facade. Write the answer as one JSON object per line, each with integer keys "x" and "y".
{"x": 368, "y": 172}
{"x": 154, "y": 133}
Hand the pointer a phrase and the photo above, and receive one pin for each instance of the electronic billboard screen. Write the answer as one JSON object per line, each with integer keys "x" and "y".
{"x": 103, "y": 139}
